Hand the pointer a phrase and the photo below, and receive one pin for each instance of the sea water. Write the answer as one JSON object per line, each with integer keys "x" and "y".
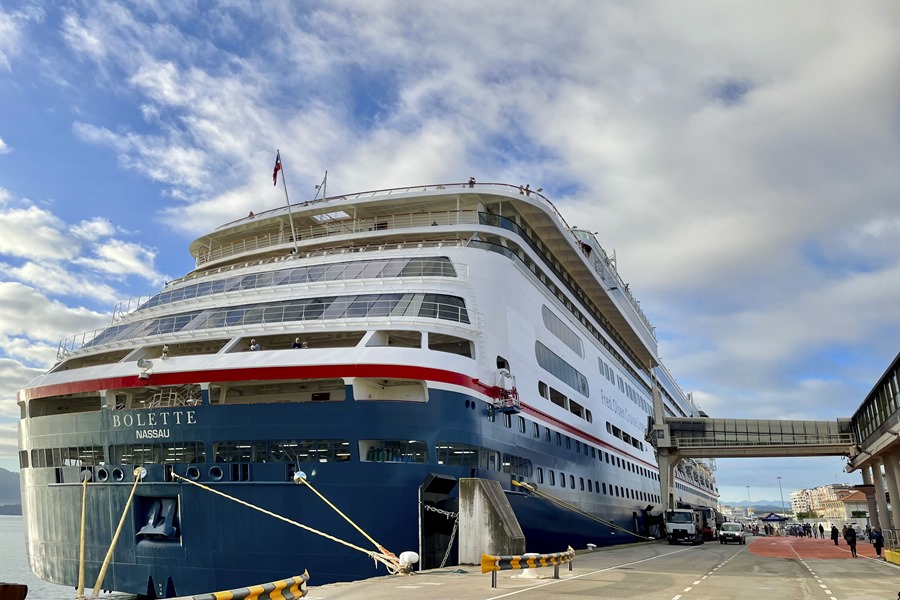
{"x": 14, "y": 566}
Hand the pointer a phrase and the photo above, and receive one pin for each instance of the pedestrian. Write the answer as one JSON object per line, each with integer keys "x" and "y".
{"x": 877, "y": 540}
{"x": 835, "y": 534}
{"x": 821, "y": 531}
{"x": 850, "y": 536}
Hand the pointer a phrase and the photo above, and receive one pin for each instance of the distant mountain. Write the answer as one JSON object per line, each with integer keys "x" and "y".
{"x": 9, "y": 488}
{"x": 11, "y": 509}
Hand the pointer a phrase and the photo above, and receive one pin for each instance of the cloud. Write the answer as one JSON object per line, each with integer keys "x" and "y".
{"x": 27, "y": 314}
{"x": 116, "y": 257}
{"x": 4, "y": 149}
{"x": 13, "y": 25}
{"x": 32, "y": 232}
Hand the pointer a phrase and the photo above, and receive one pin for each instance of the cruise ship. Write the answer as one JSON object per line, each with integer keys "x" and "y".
{"x": 379, "y": 346}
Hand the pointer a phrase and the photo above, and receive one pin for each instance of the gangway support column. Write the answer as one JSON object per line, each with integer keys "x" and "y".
{"x": 667, "y": 454}
{"x": 667, "y": 462}
{"x": 870, "y": 497}
{"x": 892, "y": 471}
{"x": 880, "y": 500}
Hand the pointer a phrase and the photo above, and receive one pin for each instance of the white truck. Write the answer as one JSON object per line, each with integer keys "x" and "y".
{"x": 684, "y": 525}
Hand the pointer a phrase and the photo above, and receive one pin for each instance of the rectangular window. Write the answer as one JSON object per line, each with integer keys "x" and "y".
{"x": 394, "y": 451}
{"x": 459, "y": 455}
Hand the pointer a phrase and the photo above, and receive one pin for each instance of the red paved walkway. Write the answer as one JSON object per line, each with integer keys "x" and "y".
{"x": 793, "y": 547}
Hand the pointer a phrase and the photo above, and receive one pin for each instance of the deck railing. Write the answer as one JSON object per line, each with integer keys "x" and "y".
{"x": 255, "y": 320}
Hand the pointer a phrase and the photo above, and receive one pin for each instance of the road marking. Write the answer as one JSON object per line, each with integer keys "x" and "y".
{"x": 555, "y": 581}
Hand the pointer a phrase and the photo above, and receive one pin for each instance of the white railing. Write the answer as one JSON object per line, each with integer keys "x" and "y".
{"x": 253, "y": 320}
{"x": 267, "y": 280}
{"x": 337, "y": 227}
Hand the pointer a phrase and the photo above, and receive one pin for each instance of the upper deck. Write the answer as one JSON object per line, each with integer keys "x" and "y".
{"x": 452, "y": 213}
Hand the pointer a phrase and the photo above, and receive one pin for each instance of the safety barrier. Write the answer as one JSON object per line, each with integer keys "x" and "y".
{"x": 492, "y": 564}
{"x": 286, "y": 589}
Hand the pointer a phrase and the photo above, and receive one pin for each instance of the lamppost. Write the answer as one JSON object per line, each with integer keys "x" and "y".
{"x": 749, "y": 504}
{"x": 780, "y": 493}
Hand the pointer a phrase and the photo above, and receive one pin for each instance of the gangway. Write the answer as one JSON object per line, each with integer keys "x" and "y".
{"x": 675, "y": 438}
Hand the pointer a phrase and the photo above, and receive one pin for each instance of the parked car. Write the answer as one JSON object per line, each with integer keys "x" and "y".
{"x": 732, "y": 532}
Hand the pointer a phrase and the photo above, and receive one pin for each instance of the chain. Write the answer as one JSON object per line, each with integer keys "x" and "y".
{"x": 449, "y": 515}
{"x": 450, "y": 545}
{"x": 439, "y": 511}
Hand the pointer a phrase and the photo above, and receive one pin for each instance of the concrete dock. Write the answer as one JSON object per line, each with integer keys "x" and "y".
{"x": 785, "y": 568}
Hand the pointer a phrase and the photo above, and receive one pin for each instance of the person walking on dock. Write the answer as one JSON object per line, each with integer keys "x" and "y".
{"x": 850, "y": 536}
{"x": 835, "y": 534}
{"x": 821, "y": 531}
{"x": 877, "y": 540}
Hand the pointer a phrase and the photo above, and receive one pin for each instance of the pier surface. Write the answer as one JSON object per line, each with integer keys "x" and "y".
{"x": 785, "y": 568}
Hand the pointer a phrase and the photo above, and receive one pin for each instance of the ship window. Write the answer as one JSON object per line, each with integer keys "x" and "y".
{"x": 552, "y": 474}
{"x": 590, "y": 485}
{"x": 547, "y": 435}
{"x": 521, "y": 424}
{"x": 604, "y": 487}
{"x": 558, "y": 439}
{"x": 459, "y": 455}
{"x": 507, "y": 420}
{"x": 555, "y": 365}
{"x": 577, "y": 446}
{"x": 23, "y": 459}
{"x": 543, "y": 390}
{"x": 502, "y": 363}
{"x": 572, "y": 481}
{"x": 517, "y": 466}
{"x": 443, "y": 342}
{"x": 557, "y": 327}
{"x": 540, "y": 475}
{"x": 278, "y": 451}
{"x": 558, "y": 399}
{"x": 581, "y": 483}
{"x": 172, "y": 452}
{"x": 562, "y": 479}
{"x": 397, "y": 451}
{"x": 535, "y": 430}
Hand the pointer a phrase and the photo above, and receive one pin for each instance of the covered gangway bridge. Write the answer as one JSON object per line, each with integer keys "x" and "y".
{"x": 870, "y": 440}
{"x": 676, "y": 438}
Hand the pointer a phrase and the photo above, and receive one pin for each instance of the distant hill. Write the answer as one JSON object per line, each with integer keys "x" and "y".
{"x": 11, "y": 509}
{"x": 9, "y": 488}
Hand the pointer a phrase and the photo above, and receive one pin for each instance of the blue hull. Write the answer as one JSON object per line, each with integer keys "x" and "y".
{"x": 217, "y": 544}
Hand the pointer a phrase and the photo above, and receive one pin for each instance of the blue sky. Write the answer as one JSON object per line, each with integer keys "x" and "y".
{"x": 739, "y": 158}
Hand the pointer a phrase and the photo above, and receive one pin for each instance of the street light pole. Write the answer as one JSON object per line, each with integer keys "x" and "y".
{"x": 749, "y": 504}
{"x": 780, "y": 493}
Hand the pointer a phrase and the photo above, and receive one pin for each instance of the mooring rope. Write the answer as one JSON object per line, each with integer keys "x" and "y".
{"x": 573, "y": 508}
{"x": 384, "y": 551}
{"x": 391, "y": 565}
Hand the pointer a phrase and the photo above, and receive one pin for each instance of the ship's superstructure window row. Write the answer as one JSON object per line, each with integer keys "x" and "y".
{"x": 381, "y": 268}
{"x": 556, "y": 326}
{"x": 168, "y": 453}
{"x": 435, "y": 306}
{"x": 67, "y": 457}
{"x": 558, "y": 398}
{"x": 290, "y": 451}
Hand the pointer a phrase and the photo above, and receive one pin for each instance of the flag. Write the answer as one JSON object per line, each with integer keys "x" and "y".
{"x": 277, "y": 168}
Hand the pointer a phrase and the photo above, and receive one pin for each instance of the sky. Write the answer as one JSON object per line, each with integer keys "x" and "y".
{"x": 740, "y": 158}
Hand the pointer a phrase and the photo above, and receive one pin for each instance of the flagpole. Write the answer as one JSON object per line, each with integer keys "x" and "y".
{"x": 288, "y": 201}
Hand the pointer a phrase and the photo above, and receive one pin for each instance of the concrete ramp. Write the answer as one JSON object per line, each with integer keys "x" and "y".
{"x": 487, "y": 523}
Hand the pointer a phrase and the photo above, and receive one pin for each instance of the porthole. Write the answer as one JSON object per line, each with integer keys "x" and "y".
{"x": 118, "y": 475}
{"x": 215, "y": 473}
{"x": 102, "y": 474}
{"x": 194, "y": 473}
